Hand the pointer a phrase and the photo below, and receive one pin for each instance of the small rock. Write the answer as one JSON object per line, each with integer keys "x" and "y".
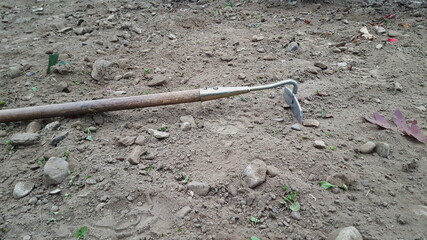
{"x": 158, "y": 134}
{"x": 199, "y": 188}
{"x": 91, "y": 181}
{"x": 98, "y": 119}
{"x": 272, "y": 171}
{"x": 367, "y": 147}
{"x": 127, "y": 141}
{"x": 398, "y": 86}
{"x": 311, "y": 123}
{"x": 321, "y": 65}
{"x": 319, "y": 144}
{"x": 23, "y": 139}
{"x": 257, "y": 38}
{"x": 65, "y": 29}
{"x": 128, "y": 75}
{"x": 26, "y": 237}
{"x": 55, "y": 141}
{"x": 157, "y": 81}
{"x": 52, "y": 126}
{"x": 380, "y": 30}
{"x": 140, "y": 140}
{"x": 383, "y": 149}
{"x": 62, "y": 69}
{"x": 420, "y": 109}
{"x": 185, "y": 126}
{"x": 347, "y": 233}
{"x": 255, "y": 173}
{"x": 392, "y": 33}
{"x": 338, "y": 179}
{"x": 292, "y": 46}
{"x": 345, "y": 21}
{"x": 55, "y": 191}
{"x": 336, "y": 50}
{"x": 62, "y": 87}
{"x": 14, "y": 72}
{"x": 3, "y": 133}
{"x": 100, "y": 68}
{"x": 135, "y": 156}
{"x": 296, "y": 127}
{"x": 269, "y": 58}
{"x": 172, "y": 36}
{"x": 312, "y": 70}
{"x": 33, "y": 127}
{"x": 189, "y": 119}
{"x": 55, "y": 171}
{"x": 183, "y": 212}
{"x": 227, "y": 58}
{"x": 32, "y": 200}
{"x": 241, "y": 76}
{"x": 100, "y": 206}
{"x": 379, "y": 46}
{"x": 342, "y": 64}
{"x": 22, "y": 189}
{"x": 296, "y": 215}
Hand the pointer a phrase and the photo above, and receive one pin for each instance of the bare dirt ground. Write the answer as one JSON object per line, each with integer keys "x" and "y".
{"x": 190, "y": 185}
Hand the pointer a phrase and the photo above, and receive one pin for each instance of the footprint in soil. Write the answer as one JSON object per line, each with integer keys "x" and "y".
{"x": 228, "y": 125}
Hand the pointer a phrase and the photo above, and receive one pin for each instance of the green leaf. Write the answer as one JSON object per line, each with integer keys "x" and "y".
{"x": 255, "y": 238}
{"x": 89, "y": 138}
{"x": 332, "y": 148}
{"x": 81, "y": 233}
{"x": 2, "y": 103}
{"x": 345, "y": 187}
{"x": 326, "y": 185}
{"x": 53, "y": 60}
{"x": 295, "y": 207}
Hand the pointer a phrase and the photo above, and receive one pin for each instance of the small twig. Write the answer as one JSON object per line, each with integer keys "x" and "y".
{"x": 367, "y": 193}
{"x": 311, "y": 195}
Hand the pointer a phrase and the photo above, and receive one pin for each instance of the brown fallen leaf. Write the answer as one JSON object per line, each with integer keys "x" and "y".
{"x": 379, "y": 120}
{"x": 412, "y": 130}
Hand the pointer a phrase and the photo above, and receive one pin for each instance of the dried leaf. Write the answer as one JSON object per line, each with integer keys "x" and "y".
{"x": 379, "y": 120}
{"x": 412, "y": 130}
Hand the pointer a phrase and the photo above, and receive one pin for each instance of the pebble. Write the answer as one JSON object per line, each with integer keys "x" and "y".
{"x": 157, "y": 81}
{"x": 347, "y": 233}
{"x": 338, "y": 179}
{"x": 172, "y": 36}
{"x": 336, "y": 50}
{"x": 3, "y": 133}
{"x": 383, "y": 149}
{"x": 255, "y": 173}
{"x": 135, "y": 156}
{"x": 272, "y": 171}
{"x": 183, "y": 212}
{"x": 392, "y": 33}
{"x": 158, "y": 134}
{"x": 26, "y": 237}
{"x": 98, "y": 119}
{"x": 292, "y": 46}
{"x": 368, "y": 147}
{"x": 257, "y": 38}
{"x": 199, "y": 188}
{"x": 269, "y": 58}
{"x": 14, "y": 72}
{"x": 33, "y": 127}
{"x": 140, "y": 140}
{"x": 319, "y": 144}
{"x": 91, "y": 181}
{"x": 100, "y": 206}
{"x": 100, "y": 68}
{"x": 342, "y": 64}
{"x": 32, "y": 200}
{"x": 321, "y": 65}
{"x": 55, "y": 191}
{"x": 380, "y": 30}
{"x": 311, "y": 123}
{"x": 296, "y": 127}
{"x": 379, "y": 46}
{"x": 55, "y": 171}
{"x": 55, "y": 141}
{"x": 52, "y": 126}
{"x": 241, "y": 76}
{"x": 296, "y": 215}
{"x": 185, "y": 126}
{"x": 398, "y": 86}
{"x": 189, "y": 119}
{"x": 22, "y": 189}
{"x": 420, "y": 109}
{"x": 62, "y": 87}
{"x": 128, "y": 75}
{"x": 126, "y": 141}
{"x": 23, "y": 139}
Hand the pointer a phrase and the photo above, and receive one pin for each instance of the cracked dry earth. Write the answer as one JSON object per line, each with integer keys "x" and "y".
{"x": 122, "y": 182}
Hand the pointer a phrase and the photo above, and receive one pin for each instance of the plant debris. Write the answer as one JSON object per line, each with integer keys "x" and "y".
{"x": 379, "y": 120}
{"x": 408, "y": 128}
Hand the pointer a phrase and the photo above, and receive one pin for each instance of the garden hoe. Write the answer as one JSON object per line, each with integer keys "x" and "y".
{"x": 169, "y": 98}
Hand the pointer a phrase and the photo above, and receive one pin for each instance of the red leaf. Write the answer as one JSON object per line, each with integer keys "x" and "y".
{"x": 379, "y": 120}
{"x": 413, "y": 130}
{"x": 392, "y": 40}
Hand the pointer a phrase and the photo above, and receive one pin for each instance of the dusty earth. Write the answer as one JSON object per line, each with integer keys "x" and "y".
{"x": 190, "y": 185}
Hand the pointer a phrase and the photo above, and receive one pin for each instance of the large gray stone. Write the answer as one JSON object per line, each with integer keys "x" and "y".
{"x": 33, "y": 127}
{"x": 347, "y": 233}
{"x": 368, "y": 147}
{"x": 189, "y": 119}
{"x": 55, "y": 171}
{"x": 199, "y": 188}
{"x": 255, "y": 173}
{"x": 135, "y": 156}
{"x": 22, "y": 189}
{"x": 100, "y": 68}
{"x": 383, "y": 149}
{"x": 23, "y": 139}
